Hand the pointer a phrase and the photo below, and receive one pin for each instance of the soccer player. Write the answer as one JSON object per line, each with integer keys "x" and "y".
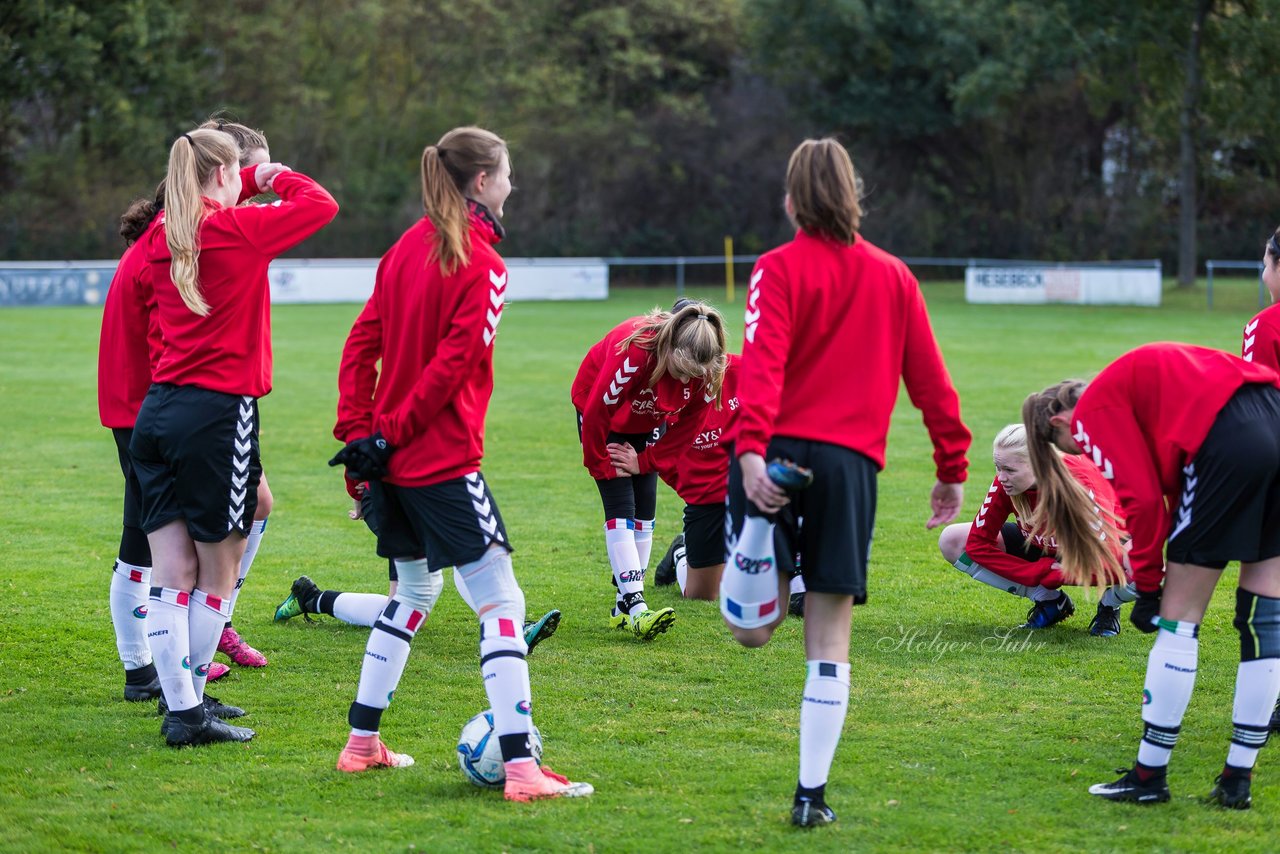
{"x": 1190, "y": 437}
{"x": 833, "y": 325}
{"x": 363, "y": 609}
{"x": 649, "y": 384}
{"x": 1011, "y": 555}
{"x": 415, "y": 430}
{"x": 195, "y": 443}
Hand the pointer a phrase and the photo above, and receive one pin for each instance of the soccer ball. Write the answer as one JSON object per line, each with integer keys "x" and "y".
{"x": 480, "y": 756}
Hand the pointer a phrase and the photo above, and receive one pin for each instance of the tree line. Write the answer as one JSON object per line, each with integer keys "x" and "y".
{"x": 1045, "y": 129}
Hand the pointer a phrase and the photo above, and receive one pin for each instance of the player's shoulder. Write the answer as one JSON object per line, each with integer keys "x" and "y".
{"x": 1268, "y": 317}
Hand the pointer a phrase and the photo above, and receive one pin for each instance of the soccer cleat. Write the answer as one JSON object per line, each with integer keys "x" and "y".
{"x": 527, "y": 781}
{"x": 234, "y": 647}
{"x": 1275, "y": 718}
{"x": 788, "y": 475}
{"x": 304, "y": 590}
{"x": 364, "y": 753}
{"x": 1130, "y": 788}
{"x": 665, "y": 574}
{"x": 1049, "y": 613}
{"x": 179, "y": 733}
{"x": 648, "y": 624}
{"x": 1106, "y": 623}
{"x": 1232, "y": 790}
{"x": 536, "y": 631}
{"x": 140, "y": 693}
{"x": 618, "y": 620}
{"x": 810, "y": 813}
{"x": 795, "y": 607}
{"x": 216, "y": 671}
{"x": 212, "y": 705}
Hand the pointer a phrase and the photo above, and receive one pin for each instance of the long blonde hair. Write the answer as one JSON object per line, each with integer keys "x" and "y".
{"x": 193, "y": 159}
{"x": 448, "y": 168}
{"x": 1087, "y": 539}
{"x": 1013, "y": 440}
{"x": 688, "y": 342}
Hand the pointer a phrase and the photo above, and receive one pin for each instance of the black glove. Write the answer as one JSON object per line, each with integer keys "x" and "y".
{"x": 365, "y": 459}
{"x": 1145, "y": 611}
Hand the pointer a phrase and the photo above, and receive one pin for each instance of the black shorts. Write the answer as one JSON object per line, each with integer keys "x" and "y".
{"x": 450, "y": 523}
{"x": 1015, "y": 543}
{"x": 1230, "y": 505}
{"x": 833, "y": 545}
{"x": 196, "y": 456}
{"x": 132, "y": 514}
{"x": 704, "y": 528}
{"x": 369, "y": 513}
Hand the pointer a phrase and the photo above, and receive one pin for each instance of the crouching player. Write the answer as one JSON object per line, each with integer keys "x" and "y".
{"x": 1012, "y": 557}
{"x": 415, "y": 429}
{"x": 1191, "y": 439}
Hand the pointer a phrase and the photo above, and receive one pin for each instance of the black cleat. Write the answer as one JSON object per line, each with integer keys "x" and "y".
{"x": 807, "y": 813}
{"x": 1232, "y": 790}
{"x": 1275, "y": 718}
{"x": 1130, "y": 788}
{"x": 795, "y": 607}
{"x": 665, "y": 574}
{"x": 179, "y": 733}
{"x": 145, "y": 691}
{"x": 1106, "y": 623}
{"x": 212, "y": 705}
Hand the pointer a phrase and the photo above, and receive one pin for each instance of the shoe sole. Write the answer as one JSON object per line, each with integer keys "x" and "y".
{"x": 142, "y": 696}
{"x": 659, "y": 626}
{"x": 574, "y": 790}
{"x": 407, "y": 763}
{"x": 1131, "y": 798}
{"x": 543, "y": 629}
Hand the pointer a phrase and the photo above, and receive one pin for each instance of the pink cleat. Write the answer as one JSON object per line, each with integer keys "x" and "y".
{"x": 216, "y": 671}
{"x": 365, "y": 752}
{"x": 234, "y": 647}
{"x": 527, "y": 781}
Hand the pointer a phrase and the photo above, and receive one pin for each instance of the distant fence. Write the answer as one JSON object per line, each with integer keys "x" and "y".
{"x": 1212, "y": 266}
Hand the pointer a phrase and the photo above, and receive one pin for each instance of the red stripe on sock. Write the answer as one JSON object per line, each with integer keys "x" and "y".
{"x": 183, "y": 598}
{"x": 135, "y": 575}
{"x": 415, "y": 620}
{"x": 214, "y": 602}
{"x": 768, "y": 608}
{"x": 506, "y": 628}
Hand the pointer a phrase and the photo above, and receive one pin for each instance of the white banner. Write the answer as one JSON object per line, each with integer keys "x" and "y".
{"x": 1084, "y": 285}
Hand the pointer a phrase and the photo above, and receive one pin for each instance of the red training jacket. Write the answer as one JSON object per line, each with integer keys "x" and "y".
{"x": 701, "y": 474}
{"x": 434, "y": 335}
{"x": 126, "y": 351}
{"x": 830, "y": 331}
{"x": 1262, "y": 338}
{"x": 230, "y": 349}
{"x": 998, "y": 506}
{"x": 611, "y": 392}
{"x": 1143, "y": 419}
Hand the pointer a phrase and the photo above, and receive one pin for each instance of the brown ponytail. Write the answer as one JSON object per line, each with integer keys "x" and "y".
{"x": 825, "y": 190}
{"x": 448, "y": 168}
{"x": 1088, "y": 539}
{"x": 247, "y": 139}
{"x": 689, "y": 342}
{"x": 135, "y": 221}
{"x": 193, "y": 159}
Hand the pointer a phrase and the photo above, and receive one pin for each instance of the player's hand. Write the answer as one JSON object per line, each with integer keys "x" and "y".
{"x": 1146, "y": 611}
{"x": 266, "y": 174}
{"x": 356, "y": 513}
{"x": 945, "y": 502}
{"x": 624, "y": 458}
{"x": 761, "y": 491}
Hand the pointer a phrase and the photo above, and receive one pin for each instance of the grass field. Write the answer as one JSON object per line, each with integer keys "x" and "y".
{"x": 956, "y": 739}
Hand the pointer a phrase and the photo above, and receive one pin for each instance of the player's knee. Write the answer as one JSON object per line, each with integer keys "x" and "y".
{"x": 1258, "y": 622}
{"x": 491, "y": 582}
{"x": 951, "y": 542}
{"x": 751, "y": 638}
{"x": 266, "y": 501}
{"x": 418, "y": 586}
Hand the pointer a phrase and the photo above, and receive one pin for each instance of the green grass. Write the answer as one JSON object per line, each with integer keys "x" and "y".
{"x": 954, "y": 741}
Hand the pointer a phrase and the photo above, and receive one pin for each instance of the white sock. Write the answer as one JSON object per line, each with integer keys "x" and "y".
{"x": 1117, "y": 594}
{"x": 130, "y": 590}
{"x": 359, "y": 609}
{"x": 1171, "y": 676}
{"x": 980, "y": 573}
{"x": 620, "y": 542}
{"x": 506, "y": 682}
{"x": 462, "y": 589}
{"x": 682, "y": 570}
{"x": 822, "y": 713}
{"x": 644, "y": 541}
{"x": 797, "y": 584}
{"x": 386, "y": 653}
{"x": 250, "y": 552}
{"x": 169, "y": 638}
{"x": 749, "y": 586}
{"x": 1041, "y": 594}
{"x": 206, "y": 617}
{"x": 1257, "y": 686}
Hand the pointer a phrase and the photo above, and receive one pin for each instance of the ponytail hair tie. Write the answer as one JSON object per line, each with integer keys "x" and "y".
{"x": 188, "y": 138}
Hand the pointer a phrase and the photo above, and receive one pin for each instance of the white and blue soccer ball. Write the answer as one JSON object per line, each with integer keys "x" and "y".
{"x": 480, "y": 755}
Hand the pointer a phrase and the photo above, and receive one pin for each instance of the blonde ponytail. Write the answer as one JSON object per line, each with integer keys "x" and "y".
{"x": 689, "y": 342}
{"x": 1088, "y": 539}
{"x": 448, "y": 168}
{"x": 193, "y": 159}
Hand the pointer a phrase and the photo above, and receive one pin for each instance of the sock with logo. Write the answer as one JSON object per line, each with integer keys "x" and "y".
{"x": 624, "y": 559}
{"x": 384, "y": 658}
{"x": 822, "y": 713}
{"x": 356, "y": 609}
{"x": 167, "y": 634}
{"x": 256, "y": 530}
{"x": 506, "y": 681}
{"x": 130, "y": 589}
{"x": 206, "y": 618}
{"x": 749, "y": 585}
{"x": 1171, "y": 677}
